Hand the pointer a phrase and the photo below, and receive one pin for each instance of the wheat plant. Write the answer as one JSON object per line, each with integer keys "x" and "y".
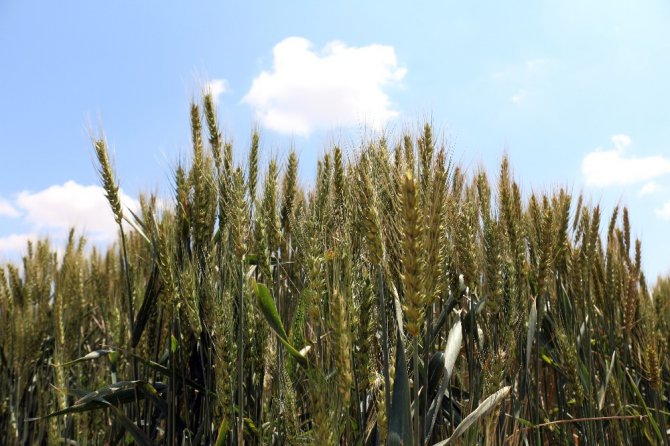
{"x": 400, "y": 300}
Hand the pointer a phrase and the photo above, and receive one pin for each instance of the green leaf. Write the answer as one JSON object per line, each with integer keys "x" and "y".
{"x": 650, "y": 417}
{"x": 400, "y": 419}
{"x": 295, "y": 353}
{"x": 548, "y": 360}
{"x": 223, "y": 431}
{"x": 530, "y": 335}
{"x": 114, "y": 356}
{"x": 151, "y": 292}
{"x": 269, "y": 310}
{"x": 137, "y": 224}
{"x": 122, "y": 392}
{"x": 70, "y": 410}
{"x": 435, "y": 372}
{"x": 113, "y": 391}
{"x": 138, "y": 435}
{"x": 167, "y": 372}
{"x": 603, "y": 389}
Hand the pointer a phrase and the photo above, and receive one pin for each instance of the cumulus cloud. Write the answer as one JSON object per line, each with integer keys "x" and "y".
{"x": 7, "y": 210}
{"x": 664, "y": 211}
{"x": 216, "y": 88}
{"x": 15, "y": 242}
{"x": 615, "y": 167}
{"x": 61, "y": 207}
{"x": 337, "y": 86}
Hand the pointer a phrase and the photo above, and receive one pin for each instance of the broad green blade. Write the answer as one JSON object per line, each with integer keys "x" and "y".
{"x": 151, "y": 292}
{"x": 122, "y": 392}
{"x": 400, "y": 420}
{"x": 269, "y": 310}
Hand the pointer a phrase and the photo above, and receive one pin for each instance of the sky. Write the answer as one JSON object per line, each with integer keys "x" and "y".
{"x": 575, "y": 92}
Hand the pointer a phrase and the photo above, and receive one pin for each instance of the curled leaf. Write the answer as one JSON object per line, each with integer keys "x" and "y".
{"x": 88, "y": 357}
{"x": 453, "y": 348}
{"x": 481, "y": 410}
{"x": 269, "y": 310}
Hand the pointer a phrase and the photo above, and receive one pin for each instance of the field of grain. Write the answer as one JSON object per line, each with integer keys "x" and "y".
{"x": 400, "y": 300}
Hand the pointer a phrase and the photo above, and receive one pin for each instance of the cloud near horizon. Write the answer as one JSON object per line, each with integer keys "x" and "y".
{"x": 337, "y": 86}
{"x": 602, "y": 168}
{"x": 60, "y": 207}
{"x": 650, "y": 188}
{"x": 15, "y": 242}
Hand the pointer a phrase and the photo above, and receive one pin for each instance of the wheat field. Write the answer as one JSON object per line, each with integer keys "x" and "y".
{"x": 400, "y": 300}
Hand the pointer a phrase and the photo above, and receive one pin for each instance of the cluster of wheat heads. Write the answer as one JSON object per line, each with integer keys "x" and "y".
{"x": 397, "y": 301}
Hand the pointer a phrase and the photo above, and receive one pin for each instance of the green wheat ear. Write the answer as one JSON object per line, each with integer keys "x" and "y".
{"x": 414, "y": 302}
{"x": 108, "y": 181}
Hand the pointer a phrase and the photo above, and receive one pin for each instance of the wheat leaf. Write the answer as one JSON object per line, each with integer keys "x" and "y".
{"x": 481, "y": 410}
{"x": 400, "y": 419}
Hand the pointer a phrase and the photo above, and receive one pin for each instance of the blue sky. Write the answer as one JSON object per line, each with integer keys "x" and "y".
{"x": 576, "y": 92}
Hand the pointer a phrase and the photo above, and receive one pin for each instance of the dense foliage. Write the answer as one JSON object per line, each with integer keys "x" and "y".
{"x": 397, "y": 300}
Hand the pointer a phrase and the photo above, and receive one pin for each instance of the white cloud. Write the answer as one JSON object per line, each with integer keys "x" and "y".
{"x": 217, "y": 87}
{"x": 15, "y": 243}
{"x": 69, "y": 205}
{"x": 7, "y": 210}
{"x": 613, "y": 167}
{"x": 338, "y": 86}
{"x": 664, "y": 211}
{"x": 649, "y": 188}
